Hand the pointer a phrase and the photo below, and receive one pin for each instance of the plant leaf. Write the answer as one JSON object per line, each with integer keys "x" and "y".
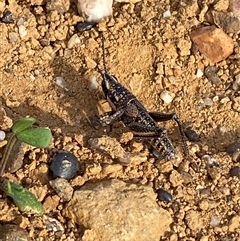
{"x": 22, "y": 124}
{"x": 38, "y": 137}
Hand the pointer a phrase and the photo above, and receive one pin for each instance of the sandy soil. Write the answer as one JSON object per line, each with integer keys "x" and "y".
{"x": 148, "y": 54}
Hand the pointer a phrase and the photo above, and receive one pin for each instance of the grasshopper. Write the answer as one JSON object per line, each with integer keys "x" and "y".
{"x": 131, "y": 112}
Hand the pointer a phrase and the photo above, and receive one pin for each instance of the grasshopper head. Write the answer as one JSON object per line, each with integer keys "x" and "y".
{"x": 111, "y": 89}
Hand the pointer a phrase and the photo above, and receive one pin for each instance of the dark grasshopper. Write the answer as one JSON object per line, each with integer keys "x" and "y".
{"x": 128, "y": 109}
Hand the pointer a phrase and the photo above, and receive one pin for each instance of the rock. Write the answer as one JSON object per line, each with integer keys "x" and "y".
{"x": 128, "y": 1}
{"x": 235, "y": 171}
{"x": 115, "y": 210}
{"x": 167, "y": 97}
{"x": 213, "y": 42}
{"x": 22, "y": 31}
{"x": 194, "y": 220}
{"x": 73, "y": 41}
{"x": 192, "y": 135}
{"x": 234, "y": 223}
{"x": 211, "y": 74}
{"x": 163, "y": 195}
{"x": 7, "y": 17}
{"x": 61, "y": 6}
{"x": 232, "y": 148}
{"x": 234, "y": 6}
{"x": 226, "y": 21}
{"x": 221, "y": 5}
{"x": 175, "y": 178}
{"x": 62, "y": 188}
{"x": 94, "y": 10}
{"x": 11, "y": 232}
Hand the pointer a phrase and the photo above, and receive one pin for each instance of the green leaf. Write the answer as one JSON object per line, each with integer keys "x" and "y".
{"x": 24, "y": 199}
{"x": 38, "y": 137}
{"x": 22, "y": 124}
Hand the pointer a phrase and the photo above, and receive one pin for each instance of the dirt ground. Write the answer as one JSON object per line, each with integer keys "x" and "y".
{"x": 148, "y": 54}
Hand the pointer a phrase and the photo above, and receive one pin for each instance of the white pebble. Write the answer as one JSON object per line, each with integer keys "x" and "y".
{"x": 167, "y": 14}
{"x": 74, "y": 40}
{"x": 22, "y": 31}
{"x": 20, "y": 21}
{"x": 13, "y": 37}
{"x": 93, "y": 82}
{"x": 95, "y": 10}
{"x": 215, "y": 221}
{"x": 236, "y": 83}
{"x": 2, "y": 135}
{"x": 208, "y": 101}
{"x": 60, "y": 82}
{"x": 199, "y": 73}
{"x": 167, "y": 97}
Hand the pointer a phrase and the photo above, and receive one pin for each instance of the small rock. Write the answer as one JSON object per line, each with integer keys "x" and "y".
{"x": 194, "y": 220}
{"x": 13, "y": 37}
{"x": 207, "y": 101}
{"x": 215, "y": 221}
{"x": 7, "y": 17}
{"x": 113, "y": 208}
{"x": 163, "y": 195}
{"x": 235, "y": 172}
{"x": 192, "y": 135}
{"x": 64, "y": 165}
{"x": 167, "y": 97}
{"x": 234, "y": 223}
{"x": 236, "y": 156}
{"x": 167, "y": 14}
{"x": 94, "y": 11}
{"x": 53, "y": 224}
{"x": 211, "y": 73}
{"x": 22, "y": 31}
{"x": 2, "y": 135}
{"x": 61, "y": 6}
{"x": 60, "y": 82}
{"x": 221, "y": 5}
{"x": 175, "y": 178}
{"x": 236, "y": 103}
{"x": 199, "y": 73}
{"x": 226, "y": 21}
{"x": 93, "y": 82}
{"x": 128, "y": 1}
{"x": 232, "y": 148}
{"x": 213, "y": 43}
{"x": 235, "y": 7}
{"x": 11, "y": 232}
{"x": 84, "y": 26}
{"x": 74, "y": 40}
{"x": 236, "y": 84}
{"x": 62, "y": 188}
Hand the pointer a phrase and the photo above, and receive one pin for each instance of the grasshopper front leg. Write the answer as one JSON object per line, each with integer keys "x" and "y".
{"x": 110, "y": 117}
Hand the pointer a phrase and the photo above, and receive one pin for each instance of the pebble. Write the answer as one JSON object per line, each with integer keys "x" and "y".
{"x": 215, "y": 221}
{"x": 84, "y": 26}
{"x": 20, "y": 21}
{"x": 211, "y": 74}
{"x": 228, "y": 22}
{"x": 62, "y": 188}
{"x": 235, "y": 172}
{"x": 2, "y": 135}
{"x": 94, "y": 11}
{"x": 7, "y": 17}
{"x": 167, "y": 97}
{"x": 73, "y": 41}
{"x": 207, "y": 101}
{"x": 232, "y": 148}
{"x": 60, "y": 82}
{"x": 167, "y": 14}
{"x": 199, "y": 73}
{"x": 235, "y": 7}
{"x": 12, "y": 232}
{"x": 64, "y": 165}
{"x": 93, "y": 82}
{"x": 13, "y": 37}
{"x": 236, "y": 156}
{"x": 192, "y": 135}
{"x": 52, "y": 224}
{"x": 236, "y": 83}
{"x": 163, "y": 195}
{"x": 61, "y": 6}
{"x": 113, "y": 208}
{"x": 213, "y": 42}
{"x": 22, "y": 31}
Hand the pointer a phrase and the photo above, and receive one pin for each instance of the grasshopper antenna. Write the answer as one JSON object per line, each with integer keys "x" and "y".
{"x": 103, "y": 56}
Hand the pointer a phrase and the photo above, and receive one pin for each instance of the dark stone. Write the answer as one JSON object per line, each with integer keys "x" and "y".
{"x": 163, "y": 195}
{"x": 64, "y": 165}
